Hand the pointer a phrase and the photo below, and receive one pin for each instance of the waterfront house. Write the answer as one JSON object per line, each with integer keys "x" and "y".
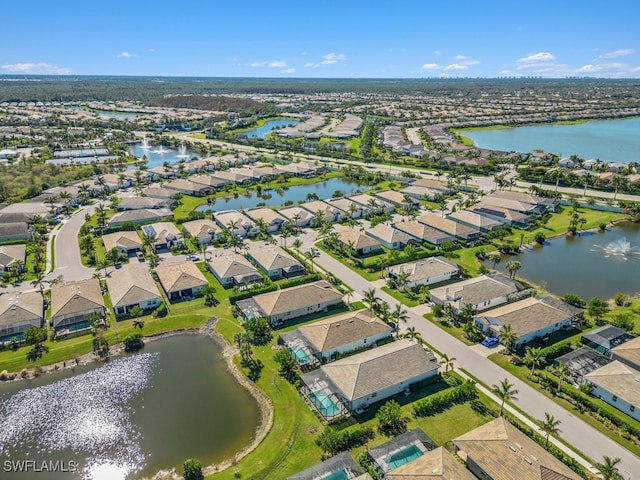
{"x": 605, "y": 338}
{"x": 275, "y": 262}
{"x": 361, "y": 243}
{"x": 483, "y": 292}
{"x": 423, "y": 233}
{"x": 281, "y": 306}
{"x": 182, "y": 280}
{"x": 425, "y": 271}
{"x": 73, "y": 304}
{"x": 438, "y": 464}
{"x": 19, "y": 311}
{"x": 580, "y": 362}
{"x": 352, "y": 383}
{"x": 335, "y": 336}
{"x": 126, "y": 242}
{"x": 390, "y": 237}
{"x": 628, "y": 353}
{"x": 132, "y": 287}
{"x": 503, "y": 215}
{"x": 231, "y": 268}
{"x": 529, "y": 319}
{"x": 498, "y": 450}
{"x": 203, "y": 231}
{"x": 401, "y": 450}
{"x": 617, "y": 384}
{"x": 338, "y": 466}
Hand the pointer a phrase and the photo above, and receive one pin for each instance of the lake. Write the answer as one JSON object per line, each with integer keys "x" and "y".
{"x": 591, "y": 264}
{"x": 265, "y": 129}
{"x": 131, "y": 417}
{"x": 157, "y": 155}
{"x": 608, "y": 140}
{"x": 277, "y": 197}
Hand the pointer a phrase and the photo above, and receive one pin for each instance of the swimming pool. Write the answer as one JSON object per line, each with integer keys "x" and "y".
{"x": 341, "y": 475}
{"x": 405, "y": 455}
{"x": 301, "y": 356}
{"x": 325, "y": 405}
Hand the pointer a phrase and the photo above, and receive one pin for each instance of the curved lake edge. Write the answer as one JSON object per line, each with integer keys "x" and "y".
{"x": 264, "y": 403}
{"x": 576, "y": 121}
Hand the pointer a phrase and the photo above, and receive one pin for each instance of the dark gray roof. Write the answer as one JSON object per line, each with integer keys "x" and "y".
{"x": 607, "y": 336}
{"x": 343, "y": 462}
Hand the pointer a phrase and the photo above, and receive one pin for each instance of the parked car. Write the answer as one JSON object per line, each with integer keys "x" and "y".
{"x": 490, "y": 341}
{"x": 193, "y": 257}
{"x": 140, "y": 256}
{"x": 316, "y": 252}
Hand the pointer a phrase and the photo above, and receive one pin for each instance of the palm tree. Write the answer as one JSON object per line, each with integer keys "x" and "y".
{"x": 39, "y": 282}
{"x": 66, "y": 198}
{"x": 504, "y": 391}
{"x": 507, "y": 336}
{"x": 561, "y": 370}
{"x": 398, "y": 315}
{"x": 549, "y": 426}
{"x": 384, "y": 312}
{"x": 371, "y": 298}
{"x": 447, "y": 362}
{"x": 102, "y": 263}
{"x": 309, "y": 256}
{"x": 533, "y": 357}
{"x": 513, "y": 267}
{"x": 297, "y": 243}
{"x": 232, "y": 226}
{"x": 402, "y": 278}
{"x": 609, "y": 468}
{"x": 284, "y": 234}
{"x": 412, "y": 334}
{"x": 495, "y": 258}
{"x": 101, "y": 215}
{"x": 51, "y": 202}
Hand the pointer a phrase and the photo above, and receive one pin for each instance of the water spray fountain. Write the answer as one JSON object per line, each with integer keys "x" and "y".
{"x": 620, "y": 248}
{"x": 182, "y": 153}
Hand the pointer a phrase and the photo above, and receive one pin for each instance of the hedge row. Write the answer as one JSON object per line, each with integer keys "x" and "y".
{"x": 556, "y": 350}
{"x": 334, "y": 441}
{"x": 435, "y": 402}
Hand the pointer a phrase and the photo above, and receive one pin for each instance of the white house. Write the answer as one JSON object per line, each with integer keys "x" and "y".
{"x": 618, "y": 385}
{"x": 426, "y": 271}
{"x": 483, "y": 292}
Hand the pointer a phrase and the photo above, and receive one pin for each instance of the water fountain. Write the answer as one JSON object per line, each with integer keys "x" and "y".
{"x": 161, "y": 150}
{"x": 618, "y": 248}
{"x": 145, "y": 144}
{"x": 182, "y": 152}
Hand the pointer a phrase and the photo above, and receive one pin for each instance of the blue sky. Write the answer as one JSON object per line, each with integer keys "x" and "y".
{"x": 325, "y": 38}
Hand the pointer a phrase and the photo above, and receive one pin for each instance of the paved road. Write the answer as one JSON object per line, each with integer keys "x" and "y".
{"x": 576, "y": 432}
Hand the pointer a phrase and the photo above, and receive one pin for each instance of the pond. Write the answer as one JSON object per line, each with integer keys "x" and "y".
{"x": 277, "y": 197}
{"x": 131, "y": 417}
{"x": 591, "y": 264}
{"x": 157, "y": 155}
{"x": 265, "y": 129}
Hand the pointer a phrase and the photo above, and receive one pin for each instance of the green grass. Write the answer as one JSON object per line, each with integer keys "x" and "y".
{"x": 401, "y": 297}
{"x": 448, "y": 327}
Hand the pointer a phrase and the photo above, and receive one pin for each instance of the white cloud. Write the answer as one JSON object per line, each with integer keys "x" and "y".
{"x": 431, "y": 66}
{"x": 258, "y": 64}
{"x": 623, "y": 52}
{"x": 331, "y": 58}
{"x": 270, "y": 64}
{"x": 460, "y": 57}
{"x": 288, "y": 70}
{"x": 125, "y": 55}
{"x": 537, "y": 57}
{"x": 41, "y": 68}
{"x": 455, "y": 66}
{"x": 311, "y": 65}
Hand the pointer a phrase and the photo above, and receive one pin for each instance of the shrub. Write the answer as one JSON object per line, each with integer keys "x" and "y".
{"x": 333, "y": 441}
{"x": 438, "y": 401}
{"x": 540, "y": 237}
{"x": 133, "y": 341}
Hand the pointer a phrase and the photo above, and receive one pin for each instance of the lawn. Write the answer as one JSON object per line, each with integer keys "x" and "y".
{"x": 402, "y": 297}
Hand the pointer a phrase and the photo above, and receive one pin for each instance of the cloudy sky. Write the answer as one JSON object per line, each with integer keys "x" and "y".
{"x": 285, "y": 38}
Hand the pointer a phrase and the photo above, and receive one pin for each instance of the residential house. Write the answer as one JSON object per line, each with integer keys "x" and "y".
{"x": 352, "y": 209}
{"x": 423, "y": 233}
{"x": 161, "y": 172}
{"x": 231, "y": 268}
{"x": 408, "y": 446}
{"x": 617, "y": 384}
{"x": 207, "y": 183}
{"x": 483, "y": 292}
{"x": 335, "y": 336}
{"x": 372, "y": 205}
{"x": 137, "y": 203}
{"x": 438, "y": 464}
{"x": 10, "y": 232}
{"x": 396, "y": 198}
{"x": 328, "y": 212}
{"x": 352, "y": 383}
{"x": 628, "y": 353}
{"x": 436, "y": 185}
{"x": 389, "y": 237}
{"x": 529, "y": 319}
{"x": 281, "y": 306}
{"x": 131, "y": 287}
{"x": 165, "y": 235}
{"x": 139, "y": 217}
{"x": 580, "y": 362}
{"x": 420, "y": 193}
{"x": 300, "y": 169}
{"x": 605, "y": 338}
{"x": 73, "y": 304}
{"x": 475, "y": 221}
{"x": 361, "y": 243}
{"x": 567, "y": 163}
{"x": 159, "y": 192}
{"x": 272, "y": 220}
{"x": 458, "y": 230}
{"x": 521, "y": 202}
{"x": 10, "y": 254}
{"x": 498, "y": 450}
{"x": 19, "y": 311}
{"x": 275, "y": 262}
{"x": 501, "y": 214}
{"x": 339, "y": 466}
{"x": 233, "y": 176}
{"x": 236, "y": 223}
{"x": 300, "y": 217}
{"x": 187, "y": 187}
{"x": 126, "y": 242}
{"x": 182, "y": 280}
{"x": 202, "y": 231}
{"x": 426, "y": 271}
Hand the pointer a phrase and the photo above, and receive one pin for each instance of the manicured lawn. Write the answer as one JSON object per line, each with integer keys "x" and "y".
{"x": 448, "y": 327}
{"x": 402, "y": 297}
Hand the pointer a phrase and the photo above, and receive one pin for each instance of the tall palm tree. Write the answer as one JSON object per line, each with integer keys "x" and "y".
{"x": 403, "y": 278}
{"x": 549, "y": 426}
{"x": 504, "y": 391}
{"x": 561, "y": 370}
{"x": 309, "y": 256}
{"x": 513, "y": 267}
{"x": 399, "y": 315}
{"x": 447, "y": 362}
{"x": 609, "y": 468}
{"x": 412, "y": 334}
{"x": 284, "y": 234}
{"x": 533, "y": 357}
{"x": 371, "y": 298}
{"x": 297, "y": 243}
{"x": 384, "y": 312}
{"x": 508, "y": 337}
{"x": 495, "y": 258}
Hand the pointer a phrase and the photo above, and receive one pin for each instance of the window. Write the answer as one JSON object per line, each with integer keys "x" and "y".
{"x": 615, "y": 398}
{"x": 632, "y": 408}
